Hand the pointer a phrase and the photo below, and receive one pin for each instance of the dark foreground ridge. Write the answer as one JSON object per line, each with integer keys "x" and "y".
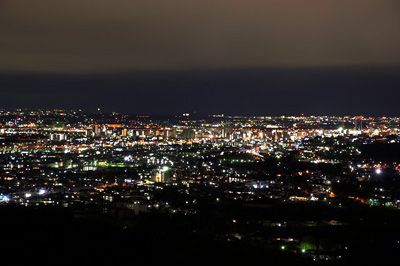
{"x": 49, "y": 235}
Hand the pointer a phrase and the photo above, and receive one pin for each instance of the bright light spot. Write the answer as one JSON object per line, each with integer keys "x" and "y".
{"x": 378, "y": 171}
{"x": 303, "y": 251}
{"x": 28, "y": 195}
{"x": 4, "y": 198}
{"x": 283, "y": 247}
{"x": 42, "y": 192}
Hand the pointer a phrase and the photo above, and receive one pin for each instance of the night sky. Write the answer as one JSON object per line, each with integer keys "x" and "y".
{"x": 210, "y": 56}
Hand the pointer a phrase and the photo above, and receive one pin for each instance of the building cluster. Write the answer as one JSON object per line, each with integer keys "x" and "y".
{"x": 138, "y": 164}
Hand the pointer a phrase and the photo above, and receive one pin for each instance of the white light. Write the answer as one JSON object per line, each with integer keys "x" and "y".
{"x": 42, "y": 192}
{"x": 4, "y": 198}
{"x": 378, "y": 171}
{"x": 28, "y": 195}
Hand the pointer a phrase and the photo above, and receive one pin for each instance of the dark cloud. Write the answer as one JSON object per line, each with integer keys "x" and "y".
{"x": 312, "y": 56}
{"x": 114, "y": 35}
{"x": 373, "y": 91}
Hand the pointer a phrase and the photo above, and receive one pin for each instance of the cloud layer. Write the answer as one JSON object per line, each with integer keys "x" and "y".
{"x": 76, "y": 36}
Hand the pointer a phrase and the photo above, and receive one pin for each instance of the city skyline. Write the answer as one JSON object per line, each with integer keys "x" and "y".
{"x": 207, "y": 131}
{"x": 307, "y": 190}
